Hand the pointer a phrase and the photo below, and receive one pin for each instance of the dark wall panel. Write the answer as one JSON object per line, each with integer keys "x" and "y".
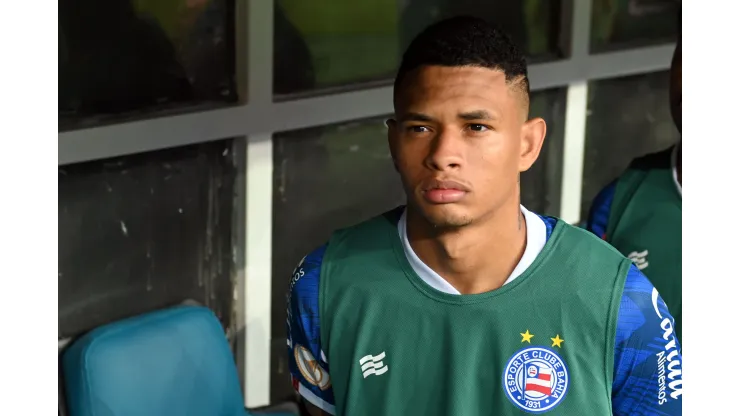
{"x": 144, "y": 232}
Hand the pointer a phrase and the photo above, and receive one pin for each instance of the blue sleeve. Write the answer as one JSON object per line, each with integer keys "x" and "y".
{"x": 598, "y": 216}
{"x": 550, "y": 223}
{"x": 308, "y": 365}
{"x": 647, "y": 355}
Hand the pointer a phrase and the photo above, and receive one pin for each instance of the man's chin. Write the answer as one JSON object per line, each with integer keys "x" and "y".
{"x": 446, "y": 216}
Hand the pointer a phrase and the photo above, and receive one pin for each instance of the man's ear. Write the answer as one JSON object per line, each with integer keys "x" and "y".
{"x": 392, "y": 139}
{"x": 531, "y": 139}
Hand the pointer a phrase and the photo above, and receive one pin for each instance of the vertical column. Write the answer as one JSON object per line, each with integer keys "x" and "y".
{"x": 575, "y": 116}
{"x": 573, "y": 149}
{"x": 254, "y": 29}
{"x": 258, "y": 278}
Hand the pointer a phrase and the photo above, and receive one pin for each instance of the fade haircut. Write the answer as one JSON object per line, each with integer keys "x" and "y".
{"x": 466, "y": 41}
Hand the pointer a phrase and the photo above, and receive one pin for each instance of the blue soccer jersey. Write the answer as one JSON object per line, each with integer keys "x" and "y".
{"x": 598, "y": 217}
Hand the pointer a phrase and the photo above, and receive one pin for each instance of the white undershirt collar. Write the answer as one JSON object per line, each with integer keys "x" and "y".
{"x": 536, "y": 238}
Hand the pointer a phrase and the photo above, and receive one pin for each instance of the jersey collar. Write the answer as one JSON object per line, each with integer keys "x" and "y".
{"x": 536, "y": 239}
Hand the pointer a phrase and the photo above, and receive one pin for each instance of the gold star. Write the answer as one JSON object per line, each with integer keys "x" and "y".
{"x": 557, "y": 341}
{"x": 526, "y": 336}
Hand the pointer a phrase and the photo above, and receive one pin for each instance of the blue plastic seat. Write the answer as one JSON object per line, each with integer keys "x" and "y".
{"x": 170, "y": 362}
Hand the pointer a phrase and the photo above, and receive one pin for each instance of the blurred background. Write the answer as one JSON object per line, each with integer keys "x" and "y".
{"x": 205, "y": 146}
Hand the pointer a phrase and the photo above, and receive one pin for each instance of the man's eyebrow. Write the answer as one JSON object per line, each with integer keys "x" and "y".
{"x": 415, "y": 117}
{"x": 476, "y": 115}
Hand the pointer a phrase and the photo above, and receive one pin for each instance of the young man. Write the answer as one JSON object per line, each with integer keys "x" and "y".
{"x": 640, "y": 213}
{"x": 463, "y": 302}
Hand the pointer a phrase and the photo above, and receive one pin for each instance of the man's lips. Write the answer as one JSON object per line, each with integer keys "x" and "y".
{"x": 444, "y": 191}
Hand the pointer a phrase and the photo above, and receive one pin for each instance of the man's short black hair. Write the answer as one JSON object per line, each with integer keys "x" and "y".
{"x": 465, "y": 41}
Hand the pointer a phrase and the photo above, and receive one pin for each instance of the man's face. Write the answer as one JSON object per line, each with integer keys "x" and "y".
{"x": 460, "y": 140}
{"x": 675, "y": 92}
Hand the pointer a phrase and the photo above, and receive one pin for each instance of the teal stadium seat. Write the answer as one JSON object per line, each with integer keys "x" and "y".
{"x": 174, "y": 362}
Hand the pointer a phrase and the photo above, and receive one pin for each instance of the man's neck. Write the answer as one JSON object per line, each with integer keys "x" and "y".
{"x": 475, "y": 258}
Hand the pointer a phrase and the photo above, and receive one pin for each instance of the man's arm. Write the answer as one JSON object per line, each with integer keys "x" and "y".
{"x": 598, "y": 216}
{"x": 647, "y": 355}
{"x": 309, "y": 368}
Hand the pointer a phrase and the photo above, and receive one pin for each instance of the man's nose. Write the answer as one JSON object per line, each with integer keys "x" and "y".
{"x": 446, "y": 151}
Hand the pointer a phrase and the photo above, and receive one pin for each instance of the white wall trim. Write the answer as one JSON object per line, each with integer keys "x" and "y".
{"x": 576, "y": 109}
{"x": 573, "y": 151}
{"x": 258, "y": 248}
{"x": 258, "y": 278}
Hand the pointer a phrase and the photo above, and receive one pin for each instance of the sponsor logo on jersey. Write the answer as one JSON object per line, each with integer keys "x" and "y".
{"x": 639, "y": 258}
{"x": 310, "y": 369}
{"x": 670, "y": 381}
{"x": 536, "y": 379}
{"x": 373, "y": 365}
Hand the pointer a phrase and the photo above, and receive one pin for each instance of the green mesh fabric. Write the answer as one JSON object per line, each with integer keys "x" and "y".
{"x": 442, "y": 354}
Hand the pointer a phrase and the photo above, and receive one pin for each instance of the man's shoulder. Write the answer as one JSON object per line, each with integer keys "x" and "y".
{"x": 586, "y": 259}
{"x": 601, "y": 207}
{"x": 304, "y": 282}
{"x": 585, "y": 239}
{"x": 307, "y": 363}
{"x": 308, "y": 270}
{"x": 315, "y": 257}
{"x": 389, "y": 217}
{"x": 364, "y": 237}
{"x": 638, "y": 167}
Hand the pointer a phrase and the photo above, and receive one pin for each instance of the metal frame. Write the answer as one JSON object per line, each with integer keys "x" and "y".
{"x": 265, "y": 116}
{"x": 575, "y": 117}
{"x": 256, "y": 120}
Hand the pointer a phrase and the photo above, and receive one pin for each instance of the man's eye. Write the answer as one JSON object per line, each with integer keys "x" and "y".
{"x": 478, "y": 127}
{"x": 418, "y": 129}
